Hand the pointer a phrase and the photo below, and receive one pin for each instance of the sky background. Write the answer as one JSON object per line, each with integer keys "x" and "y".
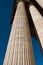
{"x": 5, "y": 28}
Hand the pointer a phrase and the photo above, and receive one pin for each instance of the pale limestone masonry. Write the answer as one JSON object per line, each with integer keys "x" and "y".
{"x": 40, "y": 2}
{"x": 38, "y": 22}
{"x": 19, "y": 49}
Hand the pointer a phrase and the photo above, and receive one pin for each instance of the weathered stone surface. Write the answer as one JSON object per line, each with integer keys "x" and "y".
{"x": 38, "y": 22}
{"x": 19, "y": 49}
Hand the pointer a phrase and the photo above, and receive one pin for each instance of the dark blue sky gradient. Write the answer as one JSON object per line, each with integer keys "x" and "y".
{"x": 5, "y": 27}
{"x": 5, "y": 16}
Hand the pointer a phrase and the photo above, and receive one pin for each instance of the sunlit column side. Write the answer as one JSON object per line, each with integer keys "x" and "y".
{"x": 38, "y": 22}
{"x": 40, "y": 2}
{"x": 20, "y": 51}
{"x": 9, "y": 46}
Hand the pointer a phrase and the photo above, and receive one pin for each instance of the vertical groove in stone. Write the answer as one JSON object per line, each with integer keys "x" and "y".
{"x": 21, "y": 52}
{"x": 38, "y": 22}
{"x": 40, "y": 2}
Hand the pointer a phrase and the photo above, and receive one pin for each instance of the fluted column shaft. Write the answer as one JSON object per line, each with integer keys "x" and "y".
{"x": 19, "y": 50}
{"x": 38, "y": 22}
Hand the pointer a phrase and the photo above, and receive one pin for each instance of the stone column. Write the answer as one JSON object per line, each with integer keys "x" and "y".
{"x": 40, "y": 2}
{"x": 19, "y": 49}
{"x": 38, "y": 22}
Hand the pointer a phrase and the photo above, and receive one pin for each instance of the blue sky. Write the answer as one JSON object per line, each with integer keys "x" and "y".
{"x": 5, "y": 27}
